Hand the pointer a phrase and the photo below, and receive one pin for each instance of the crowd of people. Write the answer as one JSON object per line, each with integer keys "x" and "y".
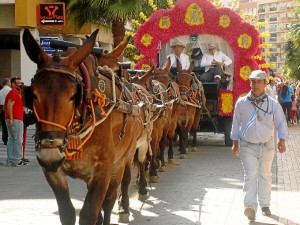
{"x": 288, "y": 95}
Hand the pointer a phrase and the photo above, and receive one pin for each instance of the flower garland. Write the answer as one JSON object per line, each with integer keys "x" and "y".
{"x": 147, "y": 39}
{"x": 224, "y": 21}
{"x": 189, "y": 17}
{"x": 164, "y": 22}
{"x": 225, "y": 103}
{"x": 244, "y": 41}
{"x": 194, "y": 15}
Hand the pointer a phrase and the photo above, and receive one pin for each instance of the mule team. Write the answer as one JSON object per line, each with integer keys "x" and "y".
{"x": 94, "y": 120}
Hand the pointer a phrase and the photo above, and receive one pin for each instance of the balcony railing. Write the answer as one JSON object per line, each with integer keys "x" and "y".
{"x": 272, "y": 9}
{"x": 273, "y": 39}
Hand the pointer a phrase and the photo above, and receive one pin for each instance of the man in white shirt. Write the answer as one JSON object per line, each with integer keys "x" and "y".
{"x": 256, "y": 115}
{"x": 214, "y": 61}
{"x": 178, "y": 54}
{"x": 271, "y": 88}
{"x": 3, "y": 92}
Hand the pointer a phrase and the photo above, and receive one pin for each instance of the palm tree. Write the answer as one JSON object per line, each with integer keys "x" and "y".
{"x": 113, "y": 13}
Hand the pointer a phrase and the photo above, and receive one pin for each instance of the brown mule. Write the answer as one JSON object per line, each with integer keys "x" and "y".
{"x": 158, "y": 83}
{"x": 190, "y": 108}
{"x": 98, "y": 148}
{"x": 162, "y": 75}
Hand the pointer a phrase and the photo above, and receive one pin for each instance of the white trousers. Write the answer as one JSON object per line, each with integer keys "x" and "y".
{"x": 257, "y": 164}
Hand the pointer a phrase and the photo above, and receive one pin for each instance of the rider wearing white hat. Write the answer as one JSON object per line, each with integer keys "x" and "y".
{"x": 178, "y": 54}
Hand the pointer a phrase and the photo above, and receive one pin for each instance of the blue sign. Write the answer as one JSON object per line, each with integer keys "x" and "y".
{"x": 45, "y": 44}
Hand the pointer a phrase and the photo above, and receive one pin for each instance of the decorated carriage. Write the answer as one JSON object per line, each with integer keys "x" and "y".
{"x": 196, "y": 23}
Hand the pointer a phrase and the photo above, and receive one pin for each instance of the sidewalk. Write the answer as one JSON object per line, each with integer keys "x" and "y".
{"x": 205, "y": 189}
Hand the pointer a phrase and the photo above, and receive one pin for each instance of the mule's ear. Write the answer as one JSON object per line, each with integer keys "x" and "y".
{"x": 167, "y": 65}
{"x": 153, "y": 67}
{"x": 143, "y": 79}
{"x": 34, "y": 51}
{"x": 191, "y": 67}
{"x": 118, "y": 51}
{"x": 81, "y": 53}
{"x": 151, "y": 63}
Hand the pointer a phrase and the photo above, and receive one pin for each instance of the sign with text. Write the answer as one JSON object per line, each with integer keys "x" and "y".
{"x": 51, "y": 14}
{"x": 45, "y": 44}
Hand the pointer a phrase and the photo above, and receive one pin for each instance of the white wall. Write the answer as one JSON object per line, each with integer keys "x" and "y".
{"x": 28, "y": 68}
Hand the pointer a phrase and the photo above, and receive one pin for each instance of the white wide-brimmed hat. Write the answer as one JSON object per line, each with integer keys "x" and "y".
{"x": 177, "y": 43}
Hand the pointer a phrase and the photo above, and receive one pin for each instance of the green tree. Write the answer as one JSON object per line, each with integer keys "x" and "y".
{"x": 112, "y": 13}
{"x": 292, "y": 50}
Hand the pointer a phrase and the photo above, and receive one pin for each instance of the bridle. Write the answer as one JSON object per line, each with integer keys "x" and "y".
{"x": 46, "y": 138}
{"x": 184, "y": 90}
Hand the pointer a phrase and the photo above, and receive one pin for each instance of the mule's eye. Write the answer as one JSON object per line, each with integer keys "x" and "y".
{"x": 72, "y": 98}
{"x": 35, "y": 97}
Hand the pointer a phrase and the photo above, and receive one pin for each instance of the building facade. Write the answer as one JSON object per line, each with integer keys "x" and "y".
{"x": 280, "y": 15}
{"x": 15, "y": 16}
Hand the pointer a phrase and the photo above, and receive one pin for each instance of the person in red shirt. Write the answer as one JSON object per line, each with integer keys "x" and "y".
{"x": 14, "y": 113}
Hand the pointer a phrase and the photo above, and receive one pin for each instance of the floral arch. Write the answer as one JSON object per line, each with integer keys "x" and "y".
{"x": 201, "y": 17}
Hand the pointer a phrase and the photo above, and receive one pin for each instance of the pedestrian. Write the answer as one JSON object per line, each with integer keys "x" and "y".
{"x": 271, "y": 88}
{"x": 3, "y": 92}
{"x": 294, "y": 111}
{"x": 183, "y": 58}
{"x": 255, "y": 117}
{"x": 285, "y": 99}
{"x": 297, "y": 97}
{"x": 14, "y": 113}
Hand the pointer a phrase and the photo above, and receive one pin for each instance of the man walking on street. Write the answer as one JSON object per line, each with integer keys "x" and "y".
{"x": 254, "y": 119}
{"x": 3, "y": 92}
{"x": 14, "y": 113}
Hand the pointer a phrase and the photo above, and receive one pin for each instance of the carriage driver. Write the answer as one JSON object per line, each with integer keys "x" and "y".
{"x": 178, "y": 54}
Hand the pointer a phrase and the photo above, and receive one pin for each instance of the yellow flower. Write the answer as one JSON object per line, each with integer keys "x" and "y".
{"x": 147, "y": 39}
{"x": 245, "y": 72}
{"x": 265, "y": 45}
{"x": 224, "y": 21}
{"x": 260, "y": 24}
{"x": 143, "y": 16}
{"x": 227, "y": 102}
{"x": 130, "y": 46}
{"x": 244, "y": 41}
{"x": 194, "y": 15}
{"x": 170, "y": 3}
{"x": 265, "y": 34}
{"x": 266, "y": 65}
{"x": 145, "y": 67}
{"x": 164, "y": 22}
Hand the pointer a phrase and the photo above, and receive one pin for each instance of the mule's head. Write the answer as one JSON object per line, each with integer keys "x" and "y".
{"x": 110, "y": 59}
{"x": 54, "y": 94}
{"x": 184, "y": 79}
